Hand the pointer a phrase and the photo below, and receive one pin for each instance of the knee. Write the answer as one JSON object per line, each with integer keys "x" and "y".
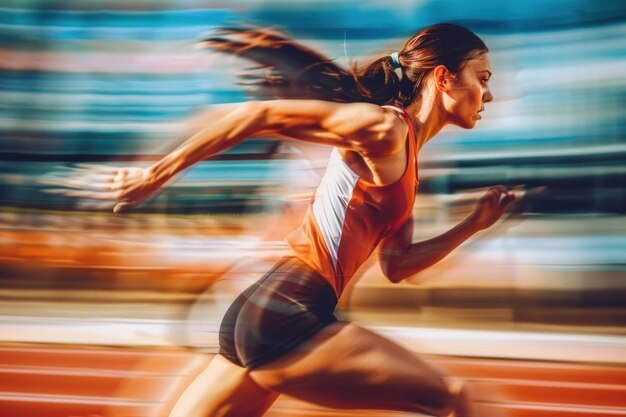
{"x": 447, "y": 398}
{"x": 457, "y": 402}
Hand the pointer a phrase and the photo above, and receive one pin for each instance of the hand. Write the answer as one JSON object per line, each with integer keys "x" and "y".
{"x": 123, "y": 187}
{"x": 132, "y": 186}
{"x": 490, "y": 207}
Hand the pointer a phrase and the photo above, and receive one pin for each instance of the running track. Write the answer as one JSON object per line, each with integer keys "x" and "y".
{"x": 54, "y": 381}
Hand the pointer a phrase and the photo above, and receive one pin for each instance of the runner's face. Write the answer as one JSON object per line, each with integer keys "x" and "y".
{"x": 468, "y": 92}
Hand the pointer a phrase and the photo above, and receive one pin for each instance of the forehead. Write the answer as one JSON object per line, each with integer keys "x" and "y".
{"x": 479, "y": 64}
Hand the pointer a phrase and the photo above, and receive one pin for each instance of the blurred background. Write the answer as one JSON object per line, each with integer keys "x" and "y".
{"x": 119, "y": 83}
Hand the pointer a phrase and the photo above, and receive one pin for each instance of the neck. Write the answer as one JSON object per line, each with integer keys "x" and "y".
{"x": 428, "y": 116}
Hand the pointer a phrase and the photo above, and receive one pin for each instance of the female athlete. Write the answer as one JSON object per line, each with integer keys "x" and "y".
{"x": 280, "y": 335}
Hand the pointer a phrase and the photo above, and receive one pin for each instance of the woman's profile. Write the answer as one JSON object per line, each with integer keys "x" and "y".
{"x": 280, "y": 334}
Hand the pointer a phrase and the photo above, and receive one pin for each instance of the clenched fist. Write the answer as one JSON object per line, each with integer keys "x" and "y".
{"x": 490, "y": 207}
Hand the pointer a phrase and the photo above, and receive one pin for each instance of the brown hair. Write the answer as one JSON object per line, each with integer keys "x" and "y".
{"x": 292, "y": 70}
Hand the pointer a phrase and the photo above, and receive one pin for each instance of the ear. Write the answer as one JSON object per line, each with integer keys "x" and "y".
{"x": 445, "y": 80}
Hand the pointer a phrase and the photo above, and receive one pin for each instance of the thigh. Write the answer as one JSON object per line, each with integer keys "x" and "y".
{"x": 348, "y": 366}
{"x": 223, "y": 389}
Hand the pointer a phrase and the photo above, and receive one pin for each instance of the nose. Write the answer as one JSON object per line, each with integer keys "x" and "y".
{"x": 487, "y": 97}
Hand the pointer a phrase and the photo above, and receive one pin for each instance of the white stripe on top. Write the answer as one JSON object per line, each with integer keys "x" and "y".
{"x": 331, "y": 201}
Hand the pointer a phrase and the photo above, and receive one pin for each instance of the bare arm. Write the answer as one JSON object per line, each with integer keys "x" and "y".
{"x": 364, "y": 128}
{"x": 205, "y": 117}
{"x": 361, "y": 127}
{"x": 400, "y": 258}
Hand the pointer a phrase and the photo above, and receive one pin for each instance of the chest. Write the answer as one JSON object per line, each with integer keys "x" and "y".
{"x": 377, "y": 208}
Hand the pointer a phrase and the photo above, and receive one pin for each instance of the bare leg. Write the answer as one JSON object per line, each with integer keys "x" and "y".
{"x": 460, "y": 396}
{"x": 223, "y": 389}
{"x": 347, "y": 366}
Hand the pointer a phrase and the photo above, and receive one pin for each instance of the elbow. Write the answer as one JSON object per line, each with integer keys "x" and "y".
{"x": 396, "y": 274}
{"x": 394, "y": 279}
{"x": 392, "y": 273}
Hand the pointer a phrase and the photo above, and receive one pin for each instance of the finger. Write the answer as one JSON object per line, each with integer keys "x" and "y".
{"x": 493, "y": 195}
{"x": 52, "y": 181}
{"x": 518, "y": 191}
{"x": 94, "y": 205}
{"x": 65, "y": 172}
{"x": 521, "y": 192}
{"x": 103, "y": 174}
{"x": 121, "y": 207}
{"x": 94, "y": 195}
{"x": 531, "y": 192}
{"x": 504, "y": 203}
{"x": 84, "y": 183}
{"x": 504, "y": 191}
{"x": 472, "y": 193}
{"x": 76, "y": 184}
{"x": 507, "y": 199}
{"x": 506, "y": 195}
{"x": 104, "y": 169}
{"x": 93, "y": 176}
{"x": 87, "y": 175}
{"x": 499, "y": 189}
{"x": 121, "y": 173}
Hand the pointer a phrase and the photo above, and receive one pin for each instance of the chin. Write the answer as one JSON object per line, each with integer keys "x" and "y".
{"x": 466, "y": 124}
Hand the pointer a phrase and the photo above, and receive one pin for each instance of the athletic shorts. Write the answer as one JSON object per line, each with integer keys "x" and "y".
{"x": 276, "y": 314}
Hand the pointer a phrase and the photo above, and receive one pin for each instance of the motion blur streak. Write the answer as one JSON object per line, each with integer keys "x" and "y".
{"x": 106, "y": 314}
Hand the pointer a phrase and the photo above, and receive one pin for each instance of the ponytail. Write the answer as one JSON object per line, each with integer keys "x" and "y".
{"x": 291, "y": 70}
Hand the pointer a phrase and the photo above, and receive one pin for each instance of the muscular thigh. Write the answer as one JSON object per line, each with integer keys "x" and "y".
{"x": 223, "y": 389}
{"x": 348, "y": 366}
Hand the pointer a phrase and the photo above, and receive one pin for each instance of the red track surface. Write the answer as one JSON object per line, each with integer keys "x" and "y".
{"x": 51, "y": 381}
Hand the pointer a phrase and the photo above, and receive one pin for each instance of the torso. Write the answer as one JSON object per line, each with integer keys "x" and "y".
{"x": 355, "y": 206}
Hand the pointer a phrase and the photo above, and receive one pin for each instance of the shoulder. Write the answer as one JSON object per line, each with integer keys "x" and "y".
{"x": 377, "y": 131}
{"x": 397, "y": 125}
{"x": 366, "y": 128}
{"x": 390, "y": 133}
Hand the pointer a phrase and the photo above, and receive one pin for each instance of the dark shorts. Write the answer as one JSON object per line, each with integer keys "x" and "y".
{"x": 277, "y": 313}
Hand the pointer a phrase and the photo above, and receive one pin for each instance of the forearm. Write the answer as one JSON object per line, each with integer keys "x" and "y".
{"x": 205, "y": 118}
{"x": 225, "y": 130}
{"x": 421, "y": 255}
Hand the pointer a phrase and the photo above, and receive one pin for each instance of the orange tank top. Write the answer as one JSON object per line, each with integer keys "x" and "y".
{"x": 348, "y": 216}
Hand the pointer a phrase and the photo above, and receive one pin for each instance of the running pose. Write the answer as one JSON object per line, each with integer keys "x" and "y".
{"x": 280, "y": 335}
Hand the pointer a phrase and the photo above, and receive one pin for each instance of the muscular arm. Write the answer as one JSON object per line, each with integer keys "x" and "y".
{"x": 400, "y": 258}
{"x": 361, "y": 127}
{"x": 364, "y": 128}
{"x": 206, "y": 117}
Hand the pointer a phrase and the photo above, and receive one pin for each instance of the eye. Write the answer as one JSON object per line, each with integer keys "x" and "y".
{"x": 484, "y": 81}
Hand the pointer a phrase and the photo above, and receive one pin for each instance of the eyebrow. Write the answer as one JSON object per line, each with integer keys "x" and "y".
{"x": 486, "y": 71}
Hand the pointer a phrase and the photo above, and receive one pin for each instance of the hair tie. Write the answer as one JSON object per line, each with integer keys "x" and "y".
{"x": 395, "y": 60}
